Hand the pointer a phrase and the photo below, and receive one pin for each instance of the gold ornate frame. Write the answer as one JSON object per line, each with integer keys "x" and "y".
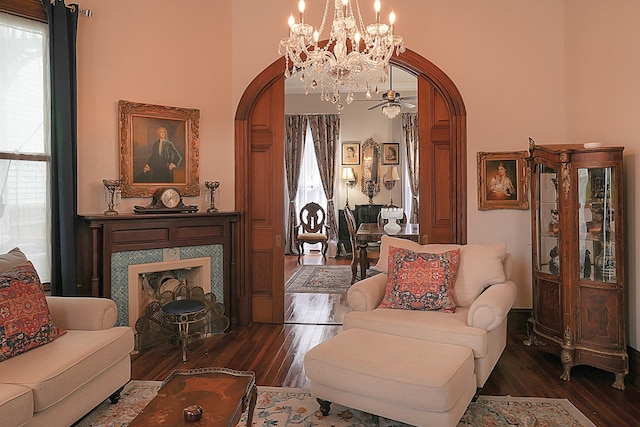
{"x": 495, "y": 192}
{"x": 139, "y": 124}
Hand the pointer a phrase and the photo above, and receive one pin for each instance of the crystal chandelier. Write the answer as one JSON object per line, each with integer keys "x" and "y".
{"x": 360, "y": 56}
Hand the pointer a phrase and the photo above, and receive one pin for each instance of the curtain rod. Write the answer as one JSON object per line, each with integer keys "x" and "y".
{"x": 86, "y": 12}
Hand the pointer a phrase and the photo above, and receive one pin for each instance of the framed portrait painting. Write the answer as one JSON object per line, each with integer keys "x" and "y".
{"x": 351, "y": 153}
{"x": 390, "y": 153}
{"x": 159, "y": 147}
{"x": 502, "y": 180}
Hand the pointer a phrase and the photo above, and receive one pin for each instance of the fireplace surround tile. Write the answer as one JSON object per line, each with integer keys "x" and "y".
{"x": 120, "y": 262}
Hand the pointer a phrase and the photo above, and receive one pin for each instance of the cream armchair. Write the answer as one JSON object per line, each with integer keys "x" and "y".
{"x": 483, "y": 295}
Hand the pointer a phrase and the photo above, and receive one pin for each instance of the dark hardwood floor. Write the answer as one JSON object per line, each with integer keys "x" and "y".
{"x": 275, "y": 353}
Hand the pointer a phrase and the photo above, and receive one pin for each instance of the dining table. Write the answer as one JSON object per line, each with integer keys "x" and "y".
{"x": 371, "y": 233}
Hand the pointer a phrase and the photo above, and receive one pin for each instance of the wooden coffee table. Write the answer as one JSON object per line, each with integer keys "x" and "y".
{"x": 224, "y": 395}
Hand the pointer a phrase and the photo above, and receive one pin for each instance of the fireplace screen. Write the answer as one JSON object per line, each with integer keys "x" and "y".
{"x": 154, "y": 326}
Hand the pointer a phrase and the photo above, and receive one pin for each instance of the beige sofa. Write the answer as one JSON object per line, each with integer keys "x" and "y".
{"x": 483, "y": 295}
{"x": 59, "y": 382}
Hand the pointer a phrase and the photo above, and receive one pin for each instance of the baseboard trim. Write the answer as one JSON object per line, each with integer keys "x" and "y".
{"x": 517, "y": 324}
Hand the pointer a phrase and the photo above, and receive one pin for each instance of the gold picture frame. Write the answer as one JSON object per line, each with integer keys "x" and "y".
{"x": 146, "y": 162}
{"x": 503, "y": 180}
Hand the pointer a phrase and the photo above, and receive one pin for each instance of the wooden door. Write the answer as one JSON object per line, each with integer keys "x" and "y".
{"x": 439, "y": 170}
{"x": 266, "y": 177}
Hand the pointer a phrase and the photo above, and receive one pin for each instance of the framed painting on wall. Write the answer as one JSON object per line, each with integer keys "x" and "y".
{"x": 390, "y": 153}
{"x": 159, "y": 147}
{"x": 502, "y": 180}
{"x": 351, "y": 153}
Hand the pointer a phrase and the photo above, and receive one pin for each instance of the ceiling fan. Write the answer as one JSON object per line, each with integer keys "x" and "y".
{"x": 392, "y": 101}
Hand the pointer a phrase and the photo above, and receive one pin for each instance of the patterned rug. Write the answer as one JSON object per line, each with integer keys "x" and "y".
{"x": 284, "y": 407}
{"x": 322, "y": 279}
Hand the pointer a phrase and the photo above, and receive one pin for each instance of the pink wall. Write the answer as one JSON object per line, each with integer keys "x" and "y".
{"x": 539, "y": 69}
{"x": 603, "y": 104}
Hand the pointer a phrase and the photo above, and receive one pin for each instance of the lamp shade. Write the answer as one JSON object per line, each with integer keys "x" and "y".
{"x": 347, "y": 174}
{"x": 392, "y": 174}
{"x": 391, "y": 110}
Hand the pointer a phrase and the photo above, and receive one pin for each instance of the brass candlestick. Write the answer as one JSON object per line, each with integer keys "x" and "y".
{"x": 212, "y": 186}
{"x": 112, "y": 185}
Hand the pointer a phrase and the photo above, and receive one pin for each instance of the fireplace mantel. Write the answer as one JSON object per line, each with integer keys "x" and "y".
{"x": 101, "y": 236}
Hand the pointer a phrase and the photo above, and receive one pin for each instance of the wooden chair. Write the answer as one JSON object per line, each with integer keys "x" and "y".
{"x": 372, "y": 255}
{"x": 311, "y": 229}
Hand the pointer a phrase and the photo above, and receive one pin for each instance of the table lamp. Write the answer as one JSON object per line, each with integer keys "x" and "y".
{"x": 350, "y": 178}
{"x": 389, "y": 179}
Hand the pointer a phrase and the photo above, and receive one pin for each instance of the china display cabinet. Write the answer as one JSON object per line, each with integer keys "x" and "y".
{"x": 579, "y": 308}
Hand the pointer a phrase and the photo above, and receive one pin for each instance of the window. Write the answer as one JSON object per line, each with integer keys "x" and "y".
{"x": 310, "y": 185}
{"x": 24, "y": 140}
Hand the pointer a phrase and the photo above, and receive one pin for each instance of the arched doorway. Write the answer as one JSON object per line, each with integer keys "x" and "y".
{"x": 259, "y": 192}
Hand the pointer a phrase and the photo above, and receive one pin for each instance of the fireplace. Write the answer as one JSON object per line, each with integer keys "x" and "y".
{"x": 112, "y": 243}
{"x": 148, "y": 281}
{"x": 200, "y": 265}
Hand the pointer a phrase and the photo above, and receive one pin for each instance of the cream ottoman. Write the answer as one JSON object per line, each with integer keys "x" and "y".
{"x": 404, "y": 379}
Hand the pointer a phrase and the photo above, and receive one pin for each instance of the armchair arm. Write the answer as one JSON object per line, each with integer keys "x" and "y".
{"x": 366, "y": 294}
{"x": 82, "y": 313}
{"x": 492, "y": 306}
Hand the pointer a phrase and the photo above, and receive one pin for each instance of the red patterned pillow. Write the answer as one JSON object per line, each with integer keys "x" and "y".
{"x": 421, "y": 281}
{"x": 25, "y": 322}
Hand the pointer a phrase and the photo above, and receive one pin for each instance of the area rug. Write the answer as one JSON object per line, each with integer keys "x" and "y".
{"x": 322, "y": 279}
{"x": 282, "y": 407}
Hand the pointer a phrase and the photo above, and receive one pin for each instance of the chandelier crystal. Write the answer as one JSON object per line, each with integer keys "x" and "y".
{"x": 354, "y": 57}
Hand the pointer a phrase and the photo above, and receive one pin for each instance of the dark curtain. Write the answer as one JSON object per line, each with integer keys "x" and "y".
{"x": 325, "y": 130}
{"x": 63, "y": 25}
{"x": 411, "y": 141}
{"x": 296, "y": 131}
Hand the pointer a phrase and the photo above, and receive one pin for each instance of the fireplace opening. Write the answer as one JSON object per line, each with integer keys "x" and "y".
{"x": 155, "y": 284}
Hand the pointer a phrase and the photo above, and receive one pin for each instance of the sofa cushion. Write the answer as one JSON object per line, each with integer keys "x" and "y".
{"x": 11, "y": 259}
{"x": 421, "y": 281}
{"x": 59, "y": 368}
{"x": 480, "y": 265}
{"x": 25, "y": 322}
{"x": 423, "y": 325}
{"x": 16, "y": 404}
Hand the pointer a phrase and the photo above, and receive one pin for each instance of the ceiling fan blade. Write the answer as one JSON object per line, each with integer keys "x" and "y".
{"x": 378, "y": 105}
{"x": 406, "y": 104}
{"x": 409, "y": 97}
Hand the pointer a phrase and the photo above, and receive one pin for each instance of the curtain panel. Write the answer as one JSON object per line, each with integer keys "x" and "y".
{"x": 325, "y": 130}
{"x": 411, "y": 142}
{"x": 63, "y": 26}
{"x": 295, "y": 134}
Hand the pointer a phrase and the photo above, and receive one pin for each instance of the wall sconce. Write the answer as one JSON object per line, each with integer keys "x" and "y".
{"x": 350, "y": 178}
{"x": 390, "y": 179}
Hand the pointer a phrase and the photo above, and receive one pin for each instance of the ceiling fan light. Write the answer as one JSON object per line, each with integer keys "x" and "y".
{"x": 391, "y": 110}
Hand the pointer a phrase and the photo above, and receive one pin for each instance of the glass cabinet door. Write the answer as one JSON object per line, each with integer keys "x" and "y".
{"x": 548, "y": 225}
{"x": 596, "y": 224}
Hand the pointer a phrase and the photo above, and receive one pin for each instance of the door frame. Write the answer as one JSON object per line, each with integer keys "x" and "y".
{"x": 408, "y": 60}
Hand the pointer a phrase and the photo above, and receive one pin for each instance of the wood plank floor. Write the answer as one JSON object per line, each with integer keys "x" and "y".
{"x": 276, "y": 352}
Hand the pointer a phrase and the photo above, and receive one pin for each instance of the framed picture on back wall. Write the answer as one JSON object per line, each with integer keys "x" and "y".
{"x": 391, "y": 153}
{"x": 351, "y": 153}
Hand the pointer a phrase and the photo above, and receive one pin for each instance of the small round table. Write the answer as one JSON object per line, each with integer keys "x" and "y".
{"x": 183, "y": 313}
